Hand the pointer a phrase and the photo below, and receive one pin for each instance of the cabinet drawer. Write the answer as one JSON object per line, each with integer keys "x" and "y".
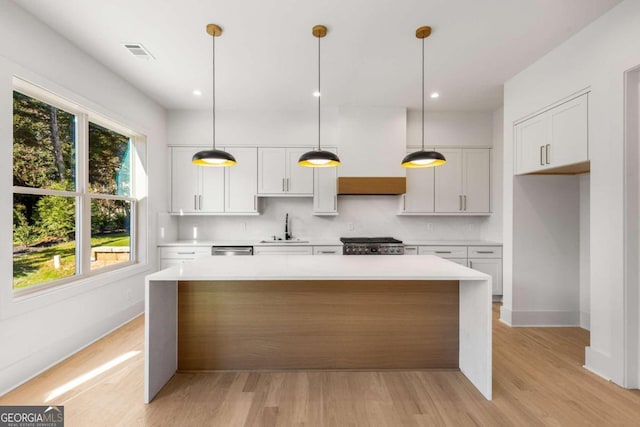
{"x": 485, "y": 252}
{"x": 411, "y": 250}
{"x": 283, "y": 250}
{"x": 327, "y": 250}
{"x": 444, "y": 251}
{"x": 188, "y": 252}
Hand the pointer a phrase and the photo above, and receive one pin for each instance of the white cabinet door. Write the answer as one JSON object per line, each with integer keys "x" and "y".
{"x": 241, "y": 181}
{"x": 299, "y": 178}
{"x": 531, "y": 138}
{"x": 283, "y": 250}
{"x": 211, "y": 195}
{"x": 184, "y": 180}
{"x": 476, "y": 177}
{"x": 569, "y": 134}
{"x": 492, "y": 267}
{"x": 448, "y": 182}
{"x": 420, "y": 195}
{"x": 325, "y": 198}
{"x": 272, "y": 170}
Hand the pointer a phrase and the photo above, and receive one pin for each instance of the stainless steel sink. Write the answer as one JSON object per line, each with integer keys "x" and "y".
{"x": 279, "y": 242}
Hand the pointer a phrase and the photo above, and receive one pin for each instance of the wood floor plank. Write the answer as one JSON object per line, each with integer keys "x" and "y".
{"x": 538, "y": 380}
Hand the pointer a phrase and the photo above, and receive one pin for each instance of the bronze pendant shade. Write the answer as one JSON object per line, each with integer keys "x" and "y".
{"x": 213, "y": 157}
{"x": 423, "y": 158}
{"x": 319, "y": 158}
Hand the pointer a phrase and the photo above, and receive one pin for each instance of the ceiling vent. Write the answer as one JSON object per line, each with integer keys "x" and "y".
{"x": 138, "y": 51}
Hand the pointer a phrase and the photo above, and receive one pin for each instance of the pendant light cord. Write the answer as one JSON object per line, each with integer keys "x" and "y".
{"x": 319, "y": 93}
{"x": 213, "y": 91}
{"x": 422, "y": 94}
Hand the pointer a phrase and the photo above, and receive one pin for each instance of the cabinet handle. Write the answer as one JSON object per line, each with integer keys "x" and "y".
{"x": 546, "y": 155}
{"x": 287, "y": 185}
{"x": 328, "y": 252}
{"x": 283, "y": 185}
{"x": 200, "y": 202}
{"x": 541, "y": 154}
{"x": 470, "y": 264}
{"x": 465, "y": 201}
{"x": 195, "y": 202}
{"x": 335, "y": 203}
{"x": 442, "y": 252}
{"x": 460, "y": 202}
{"x": 485, "y": 252}
{"x": 255, "y": 202}
{"x": 186, "y": 253}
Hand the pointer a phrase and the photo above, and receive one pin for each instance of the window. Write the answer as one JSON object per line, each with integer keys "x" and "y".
{"x": 74, "y": 204}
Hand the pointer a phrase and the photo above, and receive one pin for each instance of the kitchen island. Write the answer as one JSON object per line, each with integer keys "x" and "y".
{"x": 309, "y": 312}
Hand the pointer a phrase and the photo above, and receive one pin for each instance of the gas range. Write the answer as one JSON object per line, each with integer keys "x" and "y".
{"x": 371, "y": 246}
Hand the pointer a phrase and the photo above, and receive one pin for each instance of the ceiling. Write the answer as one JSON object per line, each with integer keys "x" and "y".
{"x": 267, "y": 57}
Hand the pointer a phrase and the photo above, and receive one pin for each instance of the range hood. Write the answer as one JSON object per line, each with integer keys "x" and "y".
{"x": 373, "y": 141}
{"x": 385, "y": 186}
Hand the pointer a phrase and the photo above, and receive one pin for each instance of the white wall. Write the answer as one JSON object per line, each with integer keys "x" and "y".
{"x": 493, "y": 229}
{"x": 585, "y": 252}
{"x": 596, "y": 57}
{"x": 39, "y": 331}
{"x": 546, "y": 239}
{"x": 373, "y": 215}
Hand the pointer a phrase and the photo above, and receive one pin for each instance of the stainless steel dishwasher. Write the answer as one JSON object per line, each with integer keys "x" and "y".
{"x": 231, "y": 250}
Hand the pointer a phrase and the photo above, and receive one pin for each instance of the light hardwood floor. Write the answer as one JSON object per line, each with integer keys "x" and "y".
{"x": 538, "y": 381}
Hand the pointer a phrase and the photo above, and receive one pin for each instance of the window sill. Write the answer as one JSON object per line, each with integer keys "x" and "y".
{"x": 12, "y": 305}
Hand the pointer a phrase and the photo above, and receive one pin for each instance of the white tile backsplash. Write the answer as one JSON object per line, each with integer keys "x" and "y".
{"x": 359, "y": 216}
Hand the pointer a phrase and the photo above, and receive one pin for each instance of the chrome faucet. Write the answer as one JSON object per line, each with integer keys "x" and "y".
{"x": 287, "y": 232}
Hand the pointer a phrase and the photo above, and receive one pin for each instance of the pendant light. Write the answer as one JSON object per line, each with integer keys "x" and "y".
{"x": 319, "y": 158}
{"x": 213, "y": 157}
{"x": 422, "y": 158}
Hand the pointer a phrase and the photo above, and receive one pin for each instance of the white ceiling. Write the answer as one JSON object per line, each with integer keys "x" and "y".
{"x": 266, "y": 57}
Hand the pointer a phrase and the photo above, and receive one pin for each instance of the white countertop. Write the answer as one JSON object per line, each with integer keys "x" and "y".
{"x": 303, "y": 242}
{"x": 312, "y": 242}
{"x": 309, "y": 267}
{"x": 411, "y": 242}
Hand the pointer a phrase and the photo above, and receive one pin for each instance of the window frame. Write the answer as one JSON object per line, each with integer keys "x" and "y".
{"x": 82, "y": 195}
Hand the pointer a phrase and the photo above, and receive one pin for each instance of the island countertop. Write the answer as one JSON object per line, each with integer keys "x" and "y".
{"x": 321, "y": 312}
{"x": 310, "y": 267}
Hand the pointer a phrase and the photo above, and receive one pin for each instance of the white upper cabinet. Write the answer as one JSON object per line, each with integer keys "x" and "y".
{"x": 462, "y": 185}
{"x": 241, "y": 191}
{"x": 213, "y": 190}
{"x": 279, "y": 173}
{"x": 419, "y": 197}
{"x": 184, "y": 181}
{"x": 299, "y": 178}
{"x": 194, "y": 189}
{"x": 325, "y": 197}
{"x": 553, "y": 139}
{"x": 476, "y": 180}
{"x": 448, "y": 182}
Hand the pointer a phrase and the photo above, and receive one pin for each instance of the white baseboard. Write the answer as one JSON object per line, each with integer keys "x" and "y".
{"x": 505, "y": 315}
{"x": 546, "y": 318}
{"x": 18, "y": 373}
{"x": 597, "y": 362}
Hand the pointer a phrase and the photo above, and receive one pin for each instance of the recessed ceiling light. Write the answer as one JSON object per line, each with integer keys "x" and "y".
{"x": 435, "y": 95}
{"x": 197, "y": 92}
{"x": 316, "y": 93}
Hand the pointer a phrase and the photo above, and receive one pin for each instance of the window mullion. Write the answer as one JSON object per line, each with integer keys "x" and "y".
{"x": 83, "y": 247}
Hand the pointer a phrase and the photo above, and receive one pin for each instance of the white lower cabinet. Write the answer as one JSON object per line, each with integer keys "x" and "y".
{"x": 283, "y": 250}
{"x": 177, "y": 255}
{"x": 327, "y": 250}
{"x": 487, "y": 259}
{"x": 492, "y": 267}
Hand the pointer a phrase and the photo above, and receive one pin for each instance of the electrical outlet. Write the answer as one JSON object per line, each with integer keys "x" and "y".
{"x": 128, "y": 294}
{"x": 350, "y": 226}
{"x": 429, "y": 226}
{"x": 243, "y": 226}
